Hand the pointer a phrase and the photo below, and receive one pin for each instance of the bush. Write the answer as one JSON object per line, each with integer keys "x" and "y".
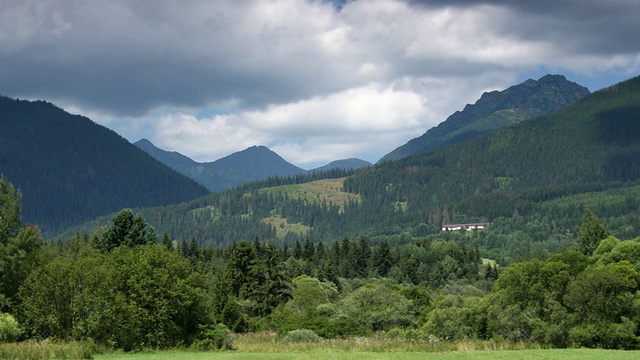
{"x": 605, "y": 335}
{"x": 302, "y": 335}
{"x": 213, "y": 338}
{"x": 407, "y": 334}
{"x": 341, "y": 326}
{"x": 9, "y": 328}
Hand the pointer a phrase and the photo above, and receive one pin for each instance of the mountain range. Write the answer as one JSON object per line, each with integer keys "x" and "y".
{"x": 494, "y": 110}
{"x": 254, "y": 163}
{"x": 70, "y": 169}
{"x": 532, "y": 180}
{"x": 251, "y": 164}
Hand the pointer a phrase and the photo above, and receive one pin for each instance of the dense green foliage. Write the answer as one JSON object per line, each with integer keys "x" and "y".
{"x": 133, "y": 294}
{"x": 9, "y": 328}
{"x": 128, "y": 230}
{"x": 71, "y": 170}
{"x": 19, "y": 247}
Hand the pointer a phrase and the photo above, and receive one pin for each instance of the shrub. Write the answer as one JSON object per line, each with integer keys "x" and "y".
{"x": 406, "y": 334}
{"x": 341, "y": 326}
{"x": 9, "y": 328}
{"x": 326, "y": 310}
{"x": 605, "y": 335}
{"x": 212, "y": 338}
{"x": 302, "y": 335}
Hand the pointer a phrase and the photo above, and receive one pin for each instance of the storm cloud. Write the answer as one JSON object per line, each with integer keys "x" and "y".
{"x": 312, "y": 80}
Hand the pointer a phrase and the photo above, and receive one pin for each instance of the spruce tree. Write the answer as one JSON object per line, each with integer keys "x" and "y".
{"x": 591, "y": 232}
{"x": 297, "y": 250}
{"x": 308, "y": 251}
{"x": 382, "y": 259}
{"x": 126, "y": 229}
{"x": 167, "y": 242}
{"x": 10, "y": 208}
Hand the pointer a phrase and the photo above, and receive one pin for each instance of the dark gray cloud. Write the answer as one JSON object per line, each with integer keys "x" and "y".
{"x": 299, "y": 74}
{"x": 127, "y": 57}
{"x": 594, "y": 26}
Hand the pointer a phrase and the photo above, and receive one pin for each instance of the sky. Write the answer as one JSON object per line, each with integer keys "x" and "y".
{"x": 313, "y": 80}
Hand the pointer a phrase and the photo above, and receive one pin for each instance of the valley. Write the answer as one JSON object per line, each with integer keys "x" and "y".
{"x": 357, "y": 253}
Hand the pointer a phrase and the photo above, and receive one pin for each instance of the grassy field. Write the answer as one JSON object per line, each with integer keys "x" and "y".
{"x": 577, "y": 354}
{"x": 329, "y": 190}
{"x": 266, "y": 346}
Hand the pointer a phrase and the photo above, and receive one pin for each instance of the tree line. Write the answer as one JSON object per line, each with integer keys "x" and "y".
{"x": 125, "y": 287}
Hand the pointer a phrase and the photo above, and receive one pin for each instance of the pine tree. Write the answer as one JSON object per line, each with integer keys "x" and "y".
{"x": 347, "y": 258}
{"x": 240, "y": 267}
{"x": 320, "y": 253}
{"x": 10, "y": 208}
{"x": 591, "y": 232}
{"x": 297, "y": 250}
{"x": 382, "y": 260}
{"x": 308, "y": 251}
{"x": 362, "y": 253}
{"x": 167, "y": 242}
{"x": 128, "y": 230}
{"x": 194, "y": 250}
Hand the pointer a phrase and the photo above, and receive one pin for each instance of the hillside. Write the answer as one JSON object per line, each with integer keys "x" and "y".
{"x": 494, "y": 110}
{"x": 515, "y": 177}
{"x": 70, "y": 169}
{"x": 588, "y": 147}
{"x": 254, "y": 163}
{"x": 346, "y": 164}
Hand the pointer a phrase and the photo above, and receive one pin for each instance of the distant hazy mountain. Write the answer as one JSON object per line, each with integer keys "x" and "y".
{"x": 70, "y": 169}
{"x": 494, "y": 110}
{"x": 346, "y": 164}
{"x": 254, "y": 163}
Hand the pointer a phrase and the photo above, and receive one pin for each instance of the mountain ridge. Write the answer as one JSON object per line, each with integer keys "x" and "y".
{"x": 251, "y": 164}
{"x": 505, "y": 177}
{"x": 344, "y": 164}
{"x": 494, "y": 110}
{"x": 70, "y": 169}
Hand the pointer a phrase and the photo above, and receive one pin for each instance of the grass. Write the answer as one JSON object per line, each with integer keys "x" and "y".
{"x": 568, "y": 354}
{"x": 283, "y": 227}
{"x": 36, "y": 350}
{"x": 329, "y": 190}
{"x": 268, "y": 347}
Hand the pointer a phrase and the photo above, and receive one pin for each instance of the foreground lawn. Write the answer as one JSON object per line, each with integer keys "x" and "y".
{"x": 266, "y": 346}
{"x": 577, "y": 354}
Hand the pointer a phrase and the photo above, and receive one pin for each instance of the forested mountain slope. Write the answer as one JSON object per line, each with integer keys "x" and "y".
{"x": 346, "y": 164}
{"x": 532, "y": 180}
{"x": 494, "y": 110}
{"x": 251, "y": 164}
{"x": 597, "y": 139}
{"x": 70, "y": 169}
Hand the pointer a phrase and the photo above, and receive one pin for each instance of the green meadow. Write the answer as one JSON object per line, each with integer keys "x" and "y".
{"x": 581, "y": 354}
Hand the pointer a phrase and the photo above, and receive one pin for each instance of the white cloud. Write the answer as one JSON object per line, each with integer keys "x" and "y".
{"x": 361, "y": 122}
{"x": 312, "y": 130}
